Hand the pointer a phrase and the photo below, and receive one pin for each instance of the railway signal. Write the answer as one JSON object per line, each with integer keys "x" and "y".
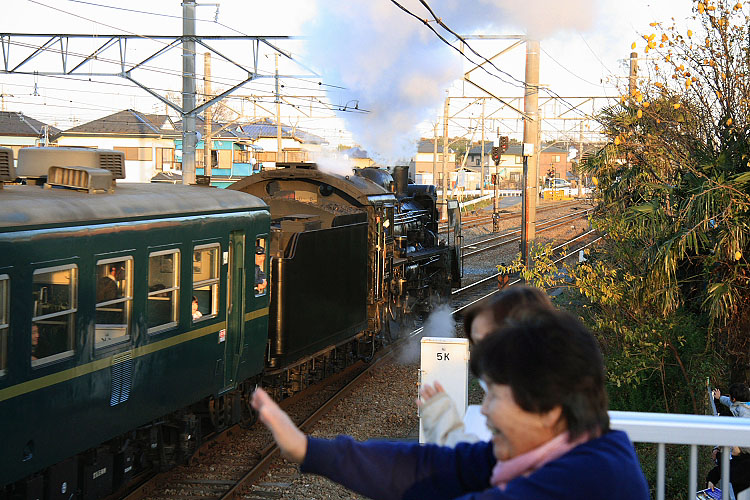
{"x": 503, "y": 144}
{"x": 496, "y": 153}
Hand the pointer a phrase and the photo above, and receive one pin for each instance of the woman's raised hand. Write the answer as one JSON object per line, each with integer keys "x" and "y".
{"x": 291, "y": 441}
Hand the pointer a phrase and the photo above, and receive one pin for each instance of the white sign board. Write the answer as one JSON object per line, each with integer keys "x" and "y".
{"x": 446, "y": 360}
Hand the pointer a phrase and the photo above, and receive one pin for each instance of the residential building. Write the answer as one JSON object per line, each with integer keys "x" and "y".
{"x": 20, "y": 131}
{"x": 146, "y": 139}
{"x": 553, "y": 162}
{"x": 233, "y": 154}
{"x": 296, "y": 145}
{"x": 358, "y": 157}
{"x": 423, "y": 162}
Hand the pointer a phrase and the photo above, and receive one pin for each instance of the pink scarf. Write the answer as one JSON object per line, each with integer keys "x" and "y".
{"x": 523, "y": 465}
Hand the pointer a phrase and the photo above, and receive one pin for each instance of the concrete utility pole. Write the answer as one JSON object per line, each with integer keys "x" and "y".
{"x": 530, "y": 135}
{"x": 481, "y": 161}
{"x": 632, "y": 79}
{"x": 279, "y": 151}
{"x": 188, "y": 92}
{"x": 434, "y": 155}
{"x": 580, "y": 161}
{"x": 444, "y": 202}
{"x": 207, "y": 117}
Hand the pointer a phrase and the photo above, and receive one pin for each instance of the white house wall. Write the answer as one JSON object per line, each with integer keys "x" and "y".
{"x": 135, "y": 170}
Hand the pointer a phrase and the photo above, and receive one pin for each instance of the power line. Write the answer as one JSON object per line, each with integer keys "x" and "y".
{"x": 137, "y": 11}
{"x": 442, "y": 39}
{"x": 566, "y": 69}
{"x": 444, "y": 26}
{"x": 441, "y": 23}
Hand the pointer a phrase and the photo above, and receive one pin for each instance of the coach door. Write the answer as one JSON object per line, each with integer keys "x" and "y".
{"x": 235, "y": 307}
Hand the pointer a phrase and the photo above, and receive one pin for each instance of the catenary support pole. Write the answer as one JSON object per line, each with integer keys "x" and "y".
{"x": 444, "y": 202}
{"x": 188, "y": 92}
{"x": 531, "y": 136}
{"x": 207, "y": 115}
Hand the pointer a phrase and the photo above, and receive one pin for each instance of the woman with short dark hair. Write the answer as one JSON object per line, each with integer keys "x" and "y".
{"x": 546, "y": 367}
{"x": 546, "y": 406}
{"x": 441, "y": 423}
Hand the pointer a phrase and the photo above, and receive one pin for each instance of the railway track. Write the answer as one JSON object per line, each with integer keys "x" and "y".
{"x": 470, "y": 221}
{"x": 507, "y": 237}
{"x": 227, "y": 465}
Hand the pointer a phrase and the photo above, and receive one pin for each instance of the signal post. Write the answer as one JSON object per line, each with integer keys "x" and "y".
{"x": 501, "y": 145}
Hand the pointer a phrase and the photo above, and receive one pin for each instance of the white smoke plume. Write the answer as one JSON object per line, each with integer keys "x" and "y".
{"x": 332, "y": 163}
{"x": 393, "y": 66}
{"x": 440, "y": 323}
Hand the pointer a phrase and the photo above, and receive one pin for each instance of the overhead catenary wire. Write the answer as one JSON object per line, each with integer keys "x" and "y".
{"x": 146, "y": 37}
{"x": 439, "y": 21}
{"x": 442, "y": 39}
{"x": 225, "y": 81}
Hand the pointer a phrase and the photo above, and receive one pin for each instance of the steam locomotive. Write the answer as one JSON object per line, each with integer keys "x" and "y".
{"x": 306, "y": 273}
{"x": 375, "y": 223}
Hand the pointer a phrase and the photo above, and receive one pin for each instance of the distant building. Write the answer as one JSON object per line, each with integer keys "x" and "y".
{"x": 553, "y": 162}
{"x": 241, "y": 149}
{"x": 296, "y": 144}
{"x": 358, "y": 157}
{"x": 146, "y": 139}
{"x": 233, "y": 154}
{"x": 423, "y": 162}
{"x": 20, "y": 131}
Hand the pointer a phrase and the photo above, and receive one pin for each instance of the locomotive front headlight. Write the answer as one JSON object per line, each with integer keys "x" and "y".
{"x": 387, "y": 223}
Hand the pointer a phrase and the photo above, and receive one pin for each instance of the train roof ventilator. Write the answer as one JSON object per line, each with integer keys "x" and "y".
{"x": 90, "y": 170}
{"x": 7, "y": 169}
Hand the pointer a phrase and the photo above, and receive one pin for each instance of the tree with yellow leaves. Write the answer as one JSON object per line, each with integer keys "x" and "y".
{"x": 674, "y": 201}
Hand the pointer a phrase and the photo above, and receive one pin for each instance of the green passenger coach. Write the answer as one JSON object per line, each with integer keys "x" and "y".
{"x": 130, "y": 315}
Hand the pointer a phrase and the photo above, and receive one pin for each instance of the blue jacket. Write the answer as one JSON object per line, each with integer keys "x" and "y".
{"x": 605, "y": 468}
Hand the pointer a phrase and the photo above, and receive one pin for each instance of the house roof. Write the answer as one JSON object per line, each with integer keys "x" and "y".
{"x": 233, "y": 131}
{"x": 427, "y": 146}
{"x": 477, "y": 150}
{"x": 127, "y": 122}
{"x": 16, "y": 123}
{"x": 265, "y": 128}
{"x": 514, "y": 148}
{"x": 555, "y": 149}
{"x": 355, "y": 152}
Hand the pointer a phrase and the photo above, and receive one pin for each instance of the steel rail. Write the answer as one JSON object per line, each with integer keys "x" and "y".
{"x": 486, "y": 219}
{"x": 569, "y": 217}
{"x": 487, "y": 278}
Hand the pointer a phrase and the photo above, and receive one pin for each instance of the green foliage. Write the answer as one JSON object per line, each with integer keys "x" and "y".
{"x": 543, "y": 274}
{"x": 656, "y": 361}
{"x": 674, "y": 184}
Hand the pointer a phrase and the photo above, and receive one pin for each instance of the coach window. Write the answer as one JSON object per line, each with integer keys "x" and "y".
{"x": 52, "y": 332}
{"x": 114, "y": 299}
{"x": 206, "y": 280}
{"x": 261, "y": 268}
{"x": 4, "y": 289}
{"x": 163, "y": 289}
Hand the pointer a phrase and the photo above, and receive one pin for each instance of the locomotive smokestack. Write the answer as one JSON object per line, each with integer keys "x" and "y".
{"x": 400, "y": 179}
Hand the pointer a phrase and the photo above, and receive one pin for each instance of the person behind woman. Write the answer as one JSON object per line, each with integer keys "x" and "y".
{"x": 546, "y": 406}
{"x": 440, "y": 421}
{"x": 739, "y": 465}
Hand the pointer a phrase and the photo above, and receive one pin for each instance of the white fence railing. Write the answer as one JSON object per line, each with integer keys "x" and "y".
{"x": 693, "y": 430}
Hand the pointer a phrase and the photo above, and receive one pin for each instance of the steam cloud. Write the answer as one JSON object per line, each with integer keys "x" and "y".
{"x": 334, "y": 164}
{"x": 440, "y": 323}
{"x": 395, "y": 67}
